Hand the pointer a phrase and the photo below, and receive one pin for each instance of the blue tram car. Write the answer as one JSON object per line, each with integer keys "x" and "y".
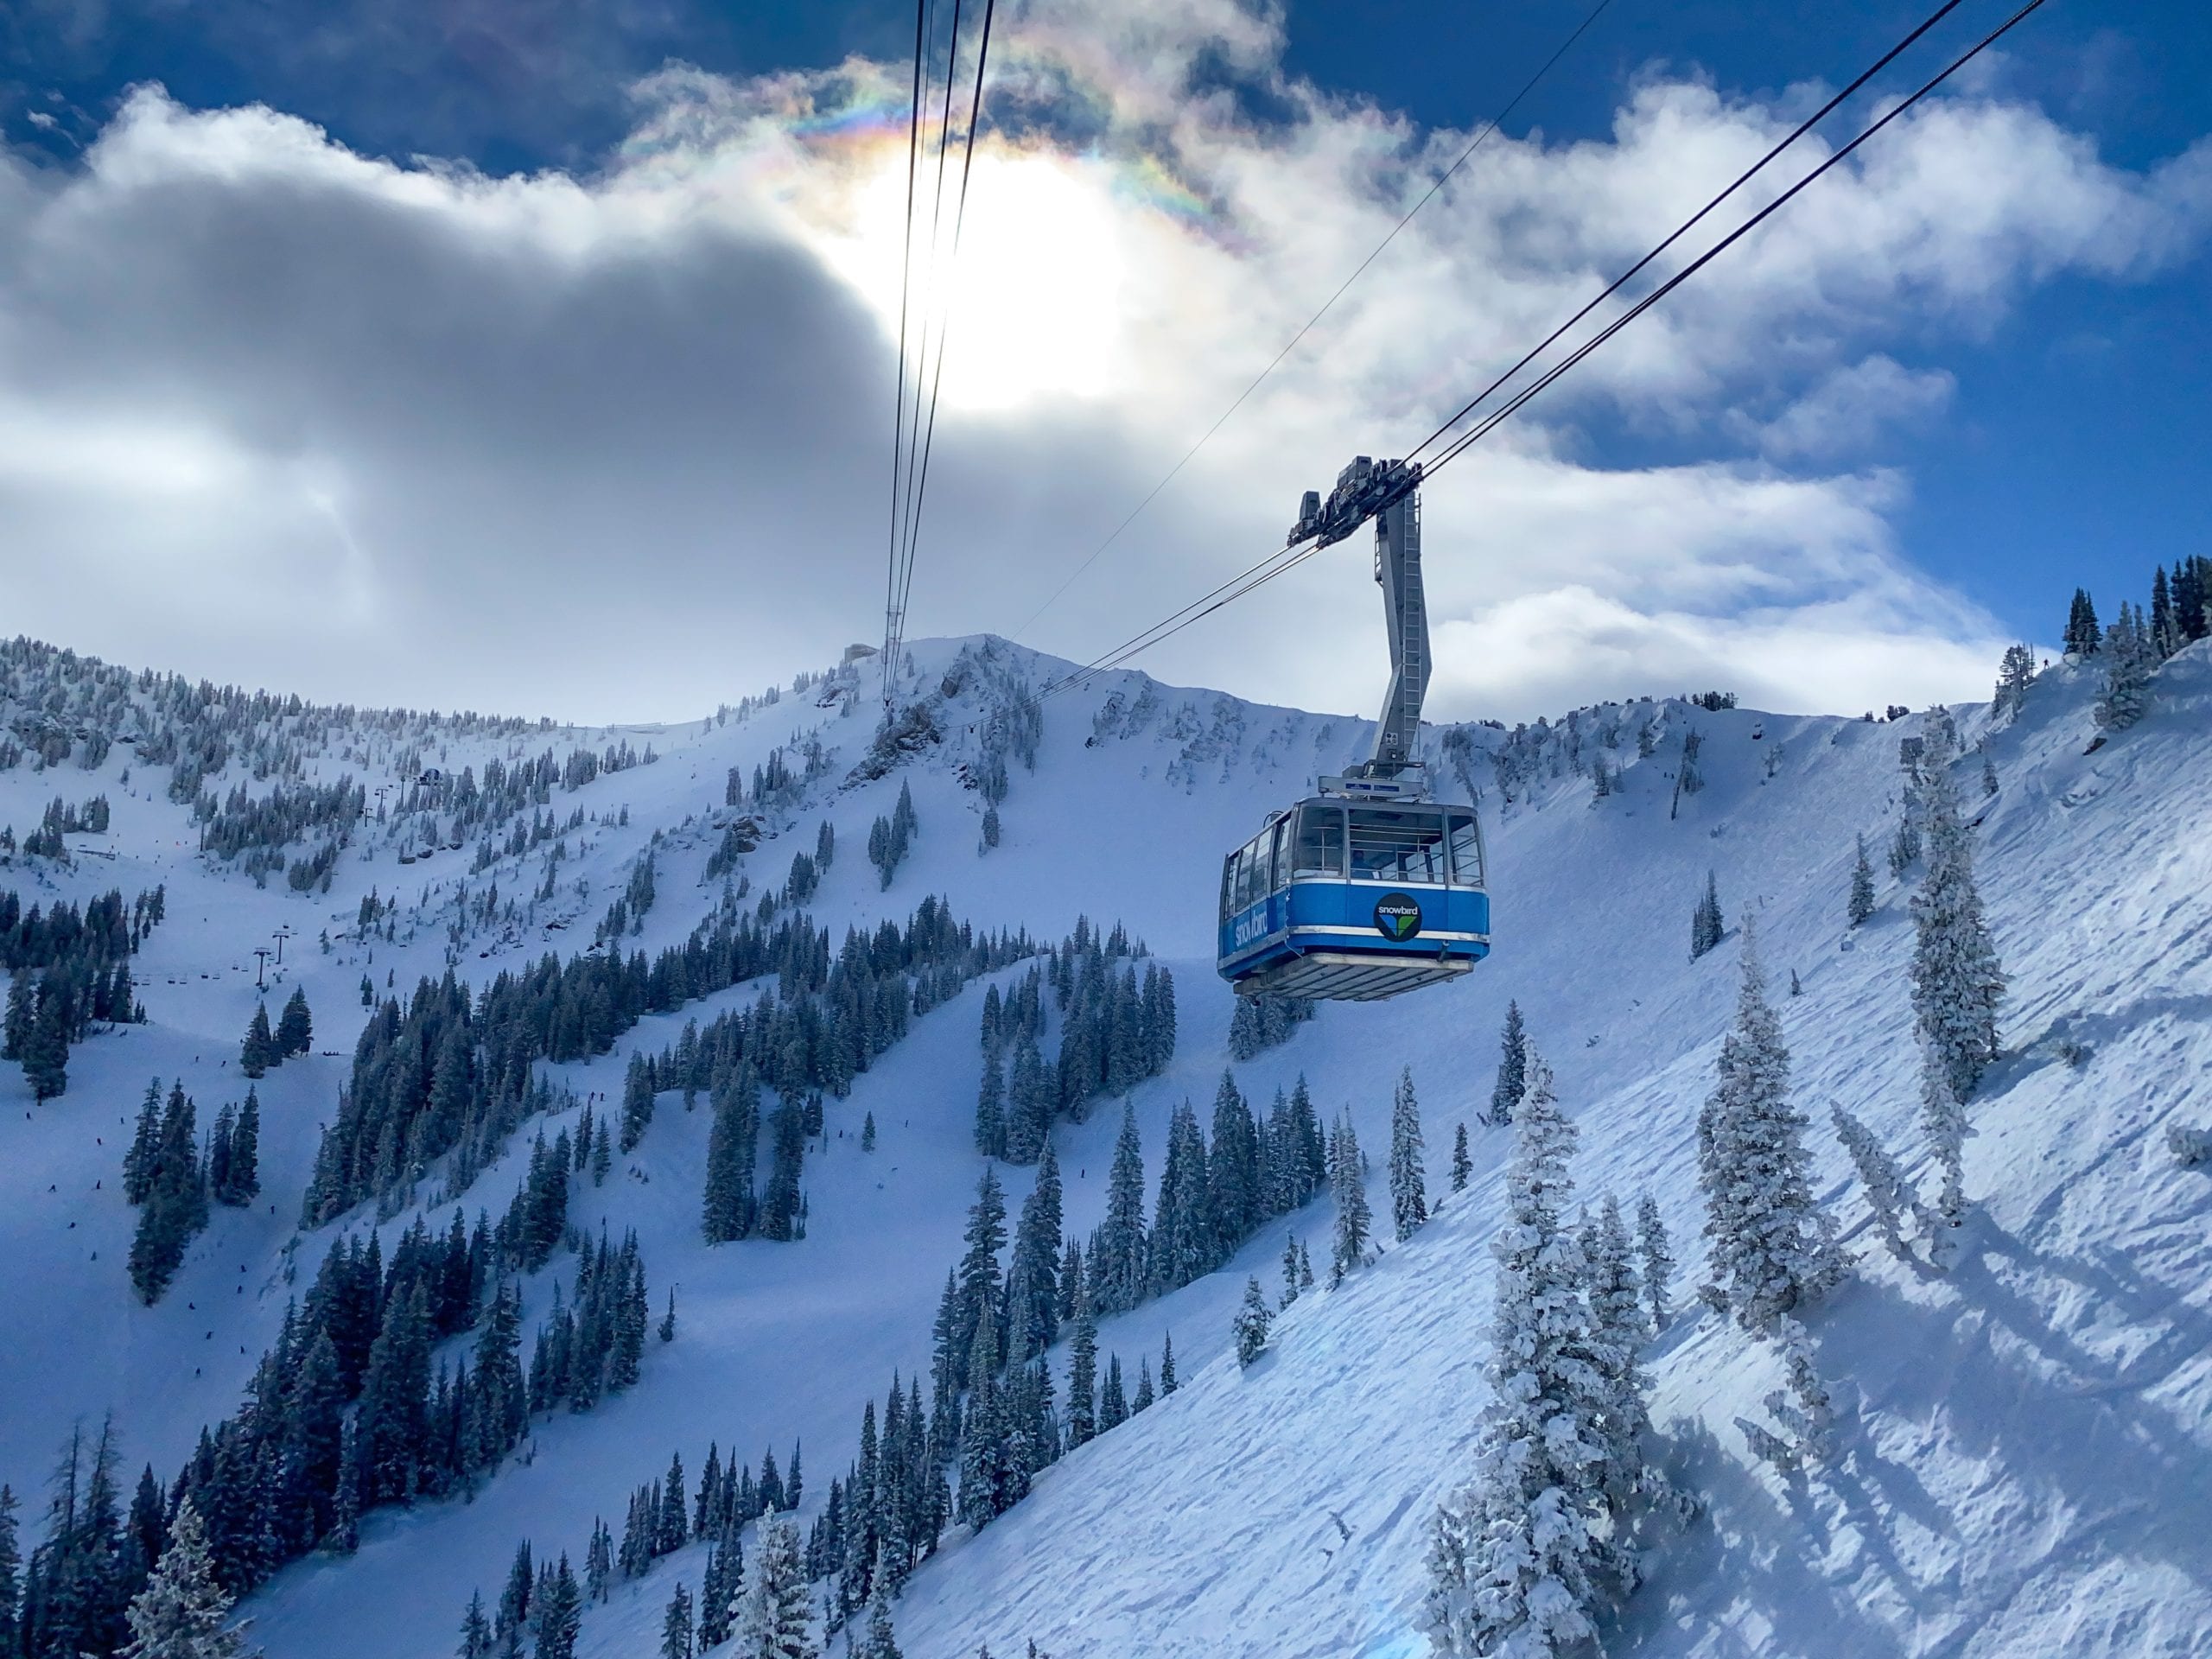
{"x": 1354, "y": 900}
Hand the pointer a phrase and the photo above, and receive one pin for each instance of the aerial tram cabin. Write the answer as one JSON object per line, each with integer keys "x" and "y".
{"x": 1369, "y": 889}
{"x": 1354, "y": 900}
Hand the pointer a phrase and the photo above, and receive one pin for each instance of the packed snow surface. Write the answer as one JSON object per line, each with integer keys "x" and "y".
{"x": 2023, "y": 1464}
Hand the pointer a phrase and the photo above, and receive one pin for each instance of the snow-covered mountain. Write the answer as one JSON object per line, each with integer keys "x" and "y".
{"x": 2021, "y": 1458}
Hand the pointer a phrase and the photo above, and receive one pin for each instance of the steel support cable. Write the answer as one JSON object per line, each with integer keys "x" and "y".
{"x": 1694, "y": 220}
{"x": 902, "y": 565}
{"x": 1290, "y": 557}
{"x": 944, "y": 328}
{"x": 1441, "y": 180}
{"x": 1491, "y": 422}
{"x": 905, "y": 275}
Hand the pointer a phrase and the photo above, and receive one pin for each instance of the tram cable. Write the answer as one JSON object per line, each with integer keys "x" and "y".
{"x": 905, "y": 283}
{"x": 1274, "y": 362}
{"x": 914, "y": 435}
{"x": 1295, "y": 554}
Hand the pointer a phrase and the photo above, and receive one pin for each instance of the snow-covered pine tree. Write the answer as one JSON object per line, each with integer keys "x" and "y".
{"x": 1957, "y": 980}
{"x": 1516, "y": 1554}
{"x": 1348, "y": 1186}
{"x": 1168, "y": 1364}
{"x": 2130, "y": 657}
{"x": 1889, "y": 1194}
{"x": 1707, "y": 925}
{"x": 1512, "y": 1069}
{"x": 2015, "y": 674}
{"x": 879, "y": 1643}
{"x": 1616, "y": 1296}
{"x": 772, "y": 1616}
{"x": 1289, "y": 1269}
{"x": 1250, "y": 1325}
{"x": 182, "y": 1612}
{"x": 1860, "y": 905}
{"x": 1409, "y": 1186}
{"x": 1654, "y": 1246}
{"x": 1082, "y": 1372}
{"x": 1772, "y": 1249}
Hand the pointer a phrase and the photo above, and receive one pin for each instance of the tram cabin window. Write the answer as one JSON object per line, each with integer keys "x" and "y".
{"x": 1320, "y": 841}
{"x": 1397, "y": 846}
{"x": 1466, "y": 850}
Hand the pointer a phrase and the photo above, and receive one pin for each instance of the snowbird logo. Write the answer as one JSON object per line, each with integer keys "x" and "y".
{"x": 1397, "y": 918}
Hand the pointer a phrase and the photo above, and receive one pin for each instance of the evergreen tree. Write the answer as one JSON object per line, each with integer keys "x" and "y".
{"x": 559, "y": 1614}
{"x": 1083, "y": 1373}
{"x": 259, "y": 1053}
{"x": 675, "y": 1625}
{"x": 11, "y": 1563}
{"x": 1118, "y": 1258}
{"x": 475, "y": 1629}
{"x": 727, "y": 1204}
{"x": 1250, "y": 1325}
{"x": 294, "y": 1026}
{"x": 1462, "y": 1166}
{"x": 1168, "y": 1364}
{"x": 242, "y": 1182}
{"x": 2082, "y": 633}
{"x": 1516, "y": 1554}
{"x": 1772, "y": 1248}
{"x": 1616, "y": 1298}
{"x": 772, "y": 1617}
{"x": 2130, "y": 658}
{"x": 879, "y": 1643}
{"x": 182, "y": 1612}
{"x": 1957, "y": 981}
{"x": 1658, "y": 1261}
{"x": 990, "y": 1107}
{"x": 1861, "y": 903}
{"x": 1289, "y": 1269}
{"x": 1512, "y": 1069}
{"x": 1408, "y": 1187}
{"x": 1348, "y": 1185}
{"x": 1707, "y": 926}
{"x": 2015, "y": 674}
{"x": 1113, "y": 1403}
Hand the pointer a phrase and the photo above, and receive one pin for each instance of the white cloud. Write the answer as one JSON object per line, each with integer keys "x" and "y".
{"x": 1848, "y": 410}
{"x": 615, "y": 443}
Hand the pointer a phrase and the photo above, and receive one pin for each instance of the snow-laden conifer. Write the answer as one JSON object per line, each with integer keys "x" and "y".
{"x": 1512, "y": 1069}
{"x": 1889, "y": 1194}
{"x": 1706, "y": 925}
{"x": 1658, "y": 1261}
{"x": 1616, "y": 1294}
{"x": 1957, "y": 981}
{"x": 1409, "y": 1186}
{"x": 2129, "y": 657}
{"x": 1250, "y": 1325}
{"x": 1462, "y": 1164}
{"x": 772, "y": 1616}
{"x": 1516, "y": 1552}
{"x": 1348, "y": 1185}
{"x": 182, "y": 1613}
{"x": 1771, "y": 1248}
{"x": 1861, "y": 905}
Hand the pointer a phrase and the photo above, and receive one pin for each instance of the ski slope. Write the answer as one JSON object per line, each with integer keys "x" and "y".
{"x": 2024, "y": 1460}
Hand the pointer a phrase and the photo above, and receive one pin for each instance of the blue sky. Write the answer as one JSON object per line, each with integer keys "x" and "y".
{"x": 2065, "y": 449}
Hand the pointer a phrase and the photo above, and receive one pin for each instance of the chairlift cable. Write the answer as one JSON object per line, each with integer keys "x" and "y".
{"x": 906, "y": 276}
{"x": 1691, "y": 223}
{"x": 1436, "y": 186}
{"x": 1296, "y": 553}
{"x": 959, "y": 217}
